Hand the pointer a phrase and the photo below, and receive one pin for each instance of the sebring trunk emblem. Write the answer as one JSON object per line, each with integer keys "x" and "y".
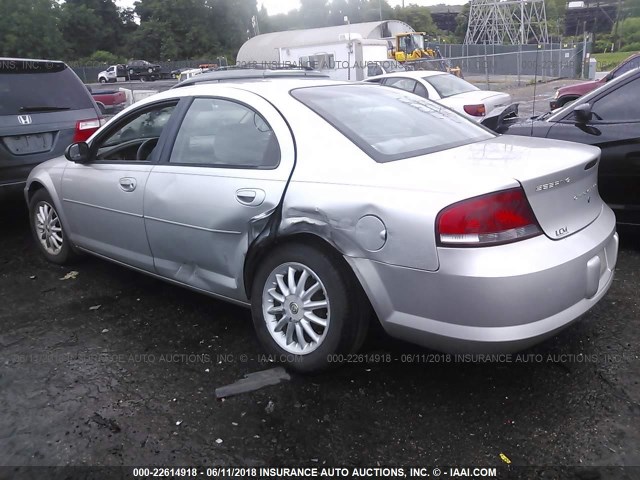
{"x": 586, "y": 193}
{"x": 24, "y": 119}
{"x": 550, "y": 185}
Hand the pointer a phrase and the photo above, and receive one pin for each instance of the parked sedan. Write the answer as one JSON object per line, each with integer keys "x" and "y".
{"x": 345, "y": 199}
{"x": 607, "y": 118}
{"x": 449, "y": 90}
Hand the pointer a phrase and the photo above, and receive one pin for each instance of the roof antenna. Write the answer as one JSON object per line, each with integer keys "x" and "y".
{"x": 535, "y": 86}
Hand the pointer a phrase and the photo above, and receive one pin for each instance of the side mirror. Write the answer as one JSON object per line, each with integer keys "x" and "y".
{"x": 582, "y": 113}
{"x": 77, "y": 152}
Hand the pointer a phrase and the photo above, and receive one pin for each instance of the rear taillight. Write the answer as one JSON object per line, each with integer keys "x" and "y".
{"x": 475, "y": 110}
{"x": 85, "y": 128}
{"x": 500, "y": 217}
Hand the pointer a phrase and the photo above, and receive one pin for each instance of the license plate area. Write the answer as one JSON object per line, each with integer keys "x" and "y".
{"x": 29, "y": 144}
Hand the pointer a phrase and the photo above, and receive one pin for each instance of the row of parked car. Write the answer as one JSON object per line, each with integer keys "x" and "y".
{"x": 324, "y": 206}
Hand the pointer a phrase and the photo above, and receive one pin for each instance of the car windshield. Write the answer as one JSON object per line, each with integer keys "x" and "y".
{"x": 392, "y": 66}
{"x": 447, "y": 85}
{"x": 40, "y": 87}
{"x": 390, "y": 124}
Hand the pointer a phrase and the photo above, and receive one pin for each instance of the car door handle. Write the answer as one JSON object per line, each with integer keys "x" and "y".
{"x": 251, "y": 197}
{"x": 128, "y": 184}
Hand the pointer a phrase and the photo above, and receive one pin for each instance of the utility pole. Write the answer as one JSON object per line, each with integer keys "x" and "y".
{"x": 615, "y": 27}
{"x": 380, "y": 8}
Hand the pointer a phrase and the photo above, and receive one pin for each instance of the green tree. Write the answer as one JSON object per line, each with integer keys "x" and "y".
{"x": 418, "y": 17}
{"x": 629, "y": 30}
{"x": 90, "y": 25}
{"x": 30, "y": 29}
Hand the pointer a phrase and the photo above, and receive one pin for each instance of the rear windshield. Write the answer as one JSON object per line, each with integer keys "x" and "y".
{"x": 36, "y": 87}
{"x": 390, "y": 124}
{"x": 447, "y": 85}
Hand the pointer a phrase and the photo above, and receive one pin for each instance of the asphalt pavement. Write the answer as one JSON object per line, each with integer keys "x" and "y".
{"x": 109, "y": 367}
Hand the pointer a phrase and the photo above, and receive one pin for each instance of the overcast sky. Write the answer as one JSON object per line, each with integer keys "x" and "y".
{"x": 283, "y": 6}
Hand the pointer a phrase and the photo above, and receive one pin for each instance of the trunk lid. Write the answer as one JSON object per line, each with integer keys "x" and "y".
{"x": 490, "y": 100}
{"x": 559, "y": 178}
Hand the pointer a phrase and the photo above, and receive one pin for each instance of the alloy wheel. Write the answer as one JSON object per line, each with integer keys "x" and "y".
{"x": 296, "y": 308}
{"x": 48, "y": 228}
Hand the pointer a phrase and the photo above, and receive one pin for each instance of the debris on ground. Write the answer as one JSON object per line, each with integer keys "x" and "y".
{"x": 105, "y": 330}
{"x": 505, "y": 459}
{"x": 70, "y": 276}
{"x": 95, "y": 307}
{"x": 254, "y": 381}
{"x": 219, "y": 441}
{"x": 270, "y": 407}
{"x": 103, "y": 422}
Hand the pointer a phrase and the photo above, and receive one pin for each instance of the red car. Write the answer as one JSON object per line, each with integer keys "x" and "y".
{"x": 568, "y": 94}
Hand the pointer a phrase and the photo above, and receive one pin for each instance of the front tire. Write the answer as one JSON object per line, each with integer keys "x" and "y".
{"x": 103, "y": 80}
{"x": 47, "y": 229}
{"x": 308, "y": 308}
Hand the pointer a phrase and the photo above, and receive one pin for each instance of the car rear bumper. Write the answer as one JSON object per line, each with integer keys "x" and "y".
{"x": 495, "y": 299}
{"x": 15, "y": 176}
{"x": 113, "y": 109}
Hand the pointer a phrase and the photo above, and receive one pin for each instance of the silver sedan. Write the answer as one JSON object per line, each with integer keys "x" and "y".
{"x": 326, "y": 206}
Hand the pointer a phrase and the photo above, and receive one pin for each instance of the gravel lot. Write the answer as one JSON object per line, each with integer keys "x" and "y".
{"x": 115, "y": 368}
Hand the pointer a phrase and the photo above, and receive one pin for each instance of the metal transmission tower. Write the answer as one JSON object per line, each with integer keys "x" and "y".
{"x": 501, "y": 22}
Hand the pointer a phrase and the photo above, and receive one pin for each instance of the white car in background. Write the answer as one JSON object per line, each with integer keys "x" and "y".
{"x": 448, "y": 90}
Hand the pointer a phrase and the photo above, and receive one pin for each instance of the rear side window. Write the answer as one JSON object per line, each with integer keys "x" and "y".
{"x": 447, "y": 85}
{"x": 389, "y": 124}
{"x": 222, "y": 133}
{"x": 35, "y": 87}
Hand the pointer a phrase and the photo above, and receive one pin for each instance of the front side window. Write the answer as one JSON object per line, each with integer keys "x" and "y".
{"x": 223, "y": 133}
{"x": 616, "y": 107}
{"x": 389, "y": 124}
{"x": 137, "y": 137}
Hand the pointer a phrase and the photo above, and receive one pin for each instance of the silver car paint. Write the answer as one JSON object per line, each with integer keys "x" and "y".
{"x": 183, "y": 229}
{"x": 511, "y": 293}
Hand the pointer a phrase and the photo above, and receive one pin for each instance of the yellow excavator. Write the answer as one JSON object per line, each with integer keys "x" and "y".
{"x": 409, "y": 49}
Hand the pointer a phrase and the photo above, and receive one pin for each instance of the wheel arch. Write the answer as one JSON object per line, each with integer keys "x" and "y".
{"x": 102, "y": 107}
{"x": 564, "y": 99}
{"x": 46, "y": 183}
{"x": 33, "y": 188}
{"x": 261, "y": 248}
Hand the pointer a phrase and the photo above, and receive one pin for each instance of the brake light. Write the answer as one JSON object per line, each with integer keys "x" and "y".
{"x": 500, "y": 217}
{"x": 85, "y": 128}
{"x": 475, "y": 110}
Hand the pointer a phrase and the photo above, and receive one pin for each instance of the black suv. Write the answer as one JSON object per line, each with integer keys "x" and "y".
{"x": 43, "y": 108}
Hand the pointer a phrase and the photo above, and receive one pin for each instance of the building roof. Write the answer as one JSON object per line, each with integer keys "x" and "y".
{"x": 265, "y": 48}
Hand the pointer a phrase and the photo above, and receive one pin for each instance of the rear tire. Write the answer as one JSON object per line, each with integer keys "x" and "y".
{"x": 48, "y": 231}
{"x": 308, "y": 326}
